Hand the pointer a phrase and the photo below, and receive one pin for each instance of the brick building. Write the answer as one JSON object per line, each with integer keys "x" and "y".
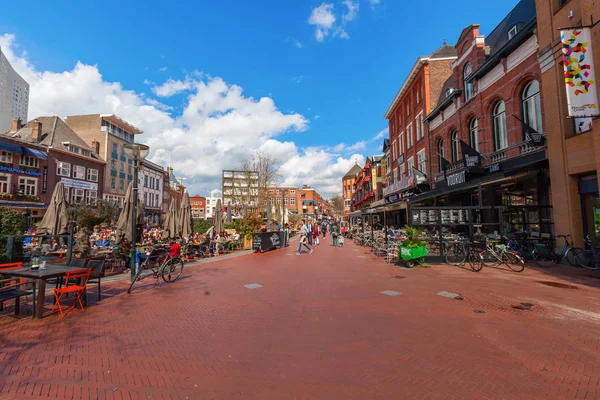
{"x": 368, "y": 189}
{"x": 408, "y": 142}
{"x": 305, "y": 200}
{"x": 574, "y": 153}
{"x": 476, "y": 127}
{"x": 348, "y": 189}
{"x": 198, "y": 204}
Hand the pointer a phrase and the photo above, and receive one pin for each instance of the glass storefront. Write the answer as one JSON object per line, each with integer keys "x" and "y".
{"x": 590, "y": 205}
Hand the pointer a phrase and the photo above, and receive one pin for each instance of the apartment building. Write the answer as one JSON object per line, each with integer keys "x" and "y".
{"x": 240, "y": 189}
{"x": 150, "y": 184}
{"x": 106, "y": 134}
{"x": 211, "y": 203}
{"x": 286, "y": 195}
{"x": 198, "y": 204}
{"x": 14, "y": 95}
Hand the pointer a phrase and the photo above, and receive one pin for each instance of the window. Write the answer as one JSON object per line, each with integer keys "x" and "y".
{"x": 28, "y": 186}
{"x": 292, "y": 192}
{"x": 292, "y": 201}
{"x": 121, "y": 184}
{"x": 409, "y": 138}
{"x": 454, "y": 145}
{"x": 278, "y": 201}
{"x": 419, "y": 127}
{"x": 29, "y": 162}
{"x": 91, "y": 196}
{"x": 285, "y": 201}
{"x": 145, "y": 180}
{"x": 440, "y": 150}
{"x": 5, "y": 157}
{"x": 417, "y": 96}
{"x": 512, "y": 32}
{"x": 410, "y": 163}
{"x": 421, "y": 162}
{"x": 347, "y": 202}
{"x": 395, "y": 175}
{"x": 113, "y": 164}
{"x": 271, "y": 191}
{"x": 67, "y": 198}
{"x": 468, "y": 85}
{"x": 402, "y": 170}
{"x": 401, "y": 144}
{"x": 532, "y": 109}
{"x": 63, "y": 169}
{"x": 113, "y": 182}
{"x": 4, "y": 183}
{"x": 77, "y": 195}
{"x": 78, "y": 172}
{"x": 499, "y": 126}
{"x": 92, "y": 175}
{"x": 115, "y": 148}
{"x": 473, "y": 134}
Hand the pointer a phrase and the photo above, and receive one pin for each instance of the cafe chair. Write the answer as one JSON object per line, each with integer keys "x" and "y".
{"x": 97, "y": 273}
{"x": 14, "y": 289}
{"x": 20, "y": 280}
{"x": 81, "y": 277}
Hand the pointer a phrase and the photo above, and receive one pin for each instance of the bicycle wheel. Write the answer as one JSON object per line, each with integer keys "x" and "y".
{"x": 456, "y": 255}
{"x": 513, "y": 261}
{"x": 571, "y": 255}
{"x": 136, "y": 277}
{"x": 172, "y": 270}
{"x": 490, "y": 258}
{"x": 585, "y": 259}
{"x": 475, "y": 260}
{"x": 545, "y": 260}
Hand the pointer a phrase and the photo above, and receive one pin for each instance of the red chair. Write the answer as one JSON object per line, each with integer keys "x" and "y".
{"x": 81, "y": 277}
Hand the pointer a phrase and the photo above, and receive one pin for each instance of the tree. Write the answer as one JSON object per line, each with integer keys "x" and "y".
{"x": 263, "y": 168}
{"x": 88, "y": 216}
{"x": 12, "y": 222}
{"x": 337, "y": 203}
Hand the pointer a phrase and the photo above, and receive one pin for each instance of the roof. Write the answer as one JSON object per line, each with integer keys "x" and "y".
{"x": 355, "y": 170}
{"x": 465, "y": 31}
{"x": 55, "y": 133}
{"x": 443, "y": 53}
{"x": 449, "y": 84}
{"x": 386, "y": 144}
{"x": 519, "y": 16}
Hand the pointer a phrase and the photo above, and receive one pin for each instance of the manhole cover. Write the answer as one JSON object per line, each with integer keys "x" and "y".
{"x": 528, "y": 305}
{"x": 480, "y": 311}
{"x": 399, "y": 277}
{"x": 558, "y": 285}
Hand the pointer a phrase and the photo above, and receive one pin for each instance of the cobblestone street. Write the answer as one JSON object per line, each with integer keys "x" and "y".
{"x": 317, "y": 327}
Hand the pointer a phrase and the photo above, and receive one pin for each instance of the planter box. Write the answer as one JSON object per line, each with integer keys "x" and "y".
{"x": 410, "y": 253}
{"x": 247, "y": 243}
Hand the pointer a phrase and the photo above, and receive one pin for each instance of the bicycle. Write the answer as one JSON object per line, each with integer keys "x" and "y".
{"x": 162, "y": 266}
{"x": 474, "y": 256}
{"x": 495, "y": 255}
{"x": 456, "y": 252}
{"x": 546, "y": 257}
{"x": 589, "y": 259}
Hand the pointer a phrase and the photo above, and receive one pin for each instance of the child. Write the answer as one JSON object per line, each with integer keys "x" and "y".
{"x": 341, "y": 240}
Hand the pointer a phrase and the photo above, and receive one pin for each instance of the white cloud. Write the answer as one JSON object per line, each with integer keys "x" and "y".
{"x": 317, "y": 116}
{"x": 382, "y": 134}
{"x": 352, "y": 11}
{"x": 148, "y": 82}
{"x": 374, "y": 2}
{"x": 215, "y": 127}
{"x": 297, "y": 79}
{"x": 163, "y": 69}
{"x": 343, "y": 147}
{"x": 322, "y": 17}
{"x": 172, "y": 87}
{"x": 298, "y": 44}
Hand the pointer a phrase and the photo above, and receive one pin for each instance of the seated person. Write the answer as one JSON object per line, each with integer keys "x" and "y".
{"x": 46, "y": 247}
{"x": 54, "y": 245}
{"x": 175, "y": 249}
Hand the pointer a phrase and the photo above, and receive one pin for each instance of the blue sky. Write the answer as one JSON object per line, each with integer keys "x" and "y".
{"x": 219, "y": 58}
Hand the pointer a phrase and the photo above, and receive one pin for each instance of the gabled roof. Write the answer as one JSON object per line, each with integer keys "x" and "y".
{"x": 443, "y": 52}
{"x": 353, "y": 172}
{"x": 519, "y": 16}
{"x": 386, "y": 145}
{"x": 465, "y": 31}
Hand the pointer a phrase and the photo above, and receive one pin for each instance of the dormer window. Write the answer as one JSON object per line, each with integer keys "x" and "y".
{"x": 449, "y": 92}
{"x": 512, "y": 32}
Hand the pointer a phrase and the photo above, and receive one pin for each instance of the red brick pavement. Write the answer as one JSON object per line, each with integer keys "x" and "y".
{"x": 318, "y": 329}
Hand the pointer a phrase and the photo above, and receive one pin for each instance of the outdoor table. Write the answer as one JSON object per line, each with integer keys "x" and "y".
{"x": 41, "y": 276}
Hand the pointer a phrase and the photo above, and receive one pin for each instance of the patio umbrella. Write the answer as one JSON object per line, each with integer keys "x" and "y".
{"x": 229, "y": 212}
{"x": 124, "y": 222}
{"x": 185, "y": 216}
{"x": 55, "y": 220}
{"x": 219, "y": 217}
{"x": 171, "y": 230}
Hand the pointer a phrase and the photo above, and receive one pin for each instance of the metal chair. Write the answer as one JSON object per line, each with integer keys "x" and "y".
{"x": 96, "y": 274}
{"x": 81, "y": 277}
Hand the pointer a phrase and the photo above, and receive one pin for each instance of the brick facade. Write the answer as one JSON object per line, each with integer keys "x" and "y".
{"x": 198, "y": 204}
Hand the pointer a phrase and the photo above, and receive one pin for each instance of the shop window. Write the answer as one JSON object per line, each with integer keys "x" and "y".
{"x": 26, "y": 161}
{"x": 474, "y": 134}
{"x": 5, "y": 157}
{"x": 4, "y": 183}
{"x": 499, "y": 126}
{"x": 468, "y": 85}
{"x": 531, "y": 105}
{"x": 454, "y": 145}
{"x": 440, "y": 150}
{"x": 92, "y": 175}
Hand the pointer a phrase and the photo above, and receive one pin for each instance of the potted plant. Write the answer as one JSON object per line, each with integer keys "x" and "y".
{"x": 247, "y": 226}
{"x": 413, "y": 249}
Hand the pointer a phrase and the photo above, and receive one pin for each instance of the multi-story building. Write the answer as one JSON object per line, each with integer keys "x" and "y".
{"x": 67, "y": 159}
{"x": 482, "y": 155}
{"x": 240, "y": 189}
{"x": 573, "y": 140}
{"x": 150, "y": 184}
{"x": 198, "y": 204}
{"x": 175, "y": 187}
{"x": 286, "y": 195}
{"x": 211, "y": 203}
{"x": 107, "y": 134}
{"x": 348, "y": 188}
{"x": 312, "y": 204}
{"x": 368, "y": 185}
{"x": 14, "y": 95}
{"x": 409, "y": 142}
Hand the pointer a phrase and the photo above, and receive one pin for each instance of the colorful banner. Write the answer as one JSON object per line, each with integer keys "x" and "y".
{"x": 580, "y": 80}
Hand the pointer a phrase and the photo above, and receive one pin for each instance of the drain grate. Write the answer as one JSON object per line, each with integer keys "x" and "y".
{"x": 523, "y": 306}
{"x": 480, "y": 311}
{"x": 558, "y": 285}
{"x": 398, "y": 277}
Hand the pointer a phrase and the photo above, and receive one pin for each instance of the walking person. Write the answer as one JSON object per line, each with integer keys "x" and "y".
{"x": 324, "y": 228}
{"x": 334, "y": 234}
{"x": 303, "y": 239}
{"x": 310, "y": 230}
{"x": 316, "y": 233}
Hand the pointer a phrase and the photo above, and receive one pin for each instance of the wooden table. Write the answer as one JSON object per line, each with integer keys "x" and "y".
{"x": 41, "y": 276}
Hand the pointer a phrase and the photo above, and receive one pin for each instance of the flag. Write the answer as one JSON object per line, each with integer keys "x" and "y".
{"x": 419, "y": 176}
{"x": 471, "y": 157}
{"x": 443, "y": 163}
{"x": 531, "y": 136}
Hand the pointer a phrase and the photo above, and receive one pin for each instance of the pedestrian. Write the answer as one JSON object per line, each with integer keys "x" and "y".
{"x": 310, "y": 230}
{"x": 341, "y": 240}
{"x": 316, "y": 233}
{"x": 324, "y": 228}
{"x": 334, "y": 234}
{"x": 304, "y": 233}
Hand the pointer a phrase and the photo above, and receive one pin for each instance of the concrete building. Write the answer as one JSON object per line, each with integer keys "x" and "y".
{"x": 14, "y": 95}
{"x": 211, "y": 203}
{"x": 106, "y": 134}
{"x": 198, "y": 204}
{"x": 240, "y": 189}
{"x": 573, "y": 143}
{"x": 150, "y": 184}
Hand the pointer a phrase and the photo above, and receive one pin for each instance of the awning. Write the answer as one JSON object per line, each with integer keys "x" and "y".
{"x": 35, "y": 153}
{"x": 355, "y": 213}
{"x": 13, "y": 148}
{"x": 307, "y": 201}
{"x": 399, "y": 205}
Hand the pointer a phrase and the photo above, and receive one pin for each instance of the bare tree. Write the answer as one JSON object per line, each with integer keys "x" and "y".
{"x": 265, "y": 167}
{"x": 337, "y": 203}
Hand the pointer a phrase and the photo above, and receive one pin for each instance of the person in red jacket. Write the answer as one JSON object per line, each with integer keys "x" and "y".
{"x": 175, "y": 249}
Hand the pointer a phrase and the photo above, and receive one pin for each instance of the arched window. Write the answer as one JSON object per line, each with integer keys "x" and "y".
{"x": 473, "y": 134}
{"x": 531, "y": 105}
{"x": 440, "y": 150}
{"x": 499, "y": 125}
{"x": 454, "y": 145}
{"x": 468, "y": 86}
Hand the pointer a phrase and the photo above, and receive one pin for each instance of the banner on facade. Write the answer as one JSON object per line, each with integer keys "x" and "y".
{"x": 471, "y": 157}
{"x": 580, "y": 81}
{"x": 73, "y": 183}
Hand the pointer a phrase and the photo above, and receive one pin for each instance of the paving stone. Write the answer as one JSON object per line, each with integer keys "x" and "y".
{"x": 253, "y": 286}
{"x": 448, "y": 294}
{"x": 390, "y": 293}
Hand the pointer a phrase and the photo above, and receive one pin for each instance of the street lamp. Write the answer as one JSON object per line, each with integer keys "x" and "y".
{"x": 138, "y": 152}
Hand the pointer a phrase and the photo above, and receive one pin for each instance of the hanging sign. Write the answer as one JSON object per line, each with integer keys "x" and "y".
{"x": 45, "y": 180}
{"x": 471, "y": 157}
{"x": 580, "y": 81}
{"x": 20, "y": 171}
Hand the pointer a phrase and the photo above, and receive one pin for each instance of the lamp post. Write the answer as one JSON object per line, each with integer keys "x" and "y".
{"x": 138, "y": 152}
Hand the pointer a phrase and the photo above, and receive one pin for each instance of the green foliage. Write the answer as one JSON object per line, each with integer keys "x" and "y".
{"x": 12, "y": 222}
{"x": 250, "y": 224}
{"x": 235, "y": 225}
{"x": 88, "y": 216}
{"x": 413, "y": 235}
{"x": 202, "y": 225}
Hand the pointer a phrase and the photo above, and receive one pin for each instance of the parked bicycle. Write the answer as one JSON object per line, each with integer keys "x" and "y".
{"x": 496, "y": 254}
{"x": 158, "y": 264}
{"x": 463, "y": 251}
{"x": 546, "y": 257}
{"x": 589, "y": 259}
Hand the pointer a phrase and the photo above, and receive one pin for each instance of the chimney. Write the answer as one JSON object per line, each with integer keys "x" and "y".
{"x": 16, "y": 125}
{"x": 36, "y": 130}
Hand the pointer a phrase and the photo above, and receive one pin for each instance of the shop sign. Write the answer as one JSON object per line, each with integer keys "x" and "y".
{"x": 494, "y": 167}
{"x": 394, "y": 197}
{"x": 457, "y": 178}
{"x": 45, "y": 180}
{"x": 580, "y": 81}
{"x": 20, "y": 171}
{"x": 73, "y": 183}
